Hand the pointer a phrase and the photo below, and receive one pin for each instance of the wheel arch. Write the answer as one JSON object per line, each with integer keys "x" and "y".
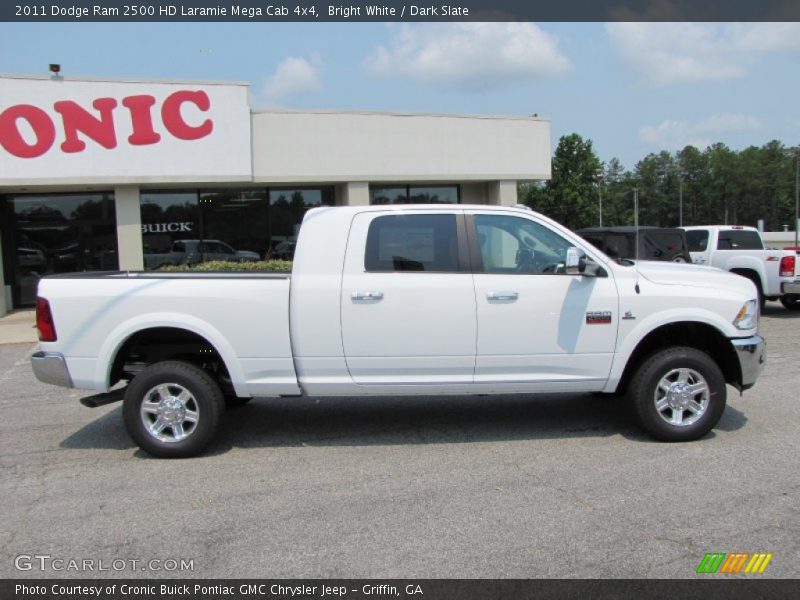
{"x": 694, "y": 334}
{"x": 178, "y": 330}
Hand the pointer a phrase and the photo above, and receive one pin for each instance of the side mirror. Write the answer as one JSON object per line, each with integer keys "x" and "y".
{"x": 576, "y": 261}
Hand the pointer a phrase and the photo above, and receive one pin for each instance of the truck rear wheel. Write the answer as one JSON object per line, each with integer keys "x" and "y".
{"x": 791, "y": 302}
{"x": 678, "y": 394}
{"x": 172, "y": 409}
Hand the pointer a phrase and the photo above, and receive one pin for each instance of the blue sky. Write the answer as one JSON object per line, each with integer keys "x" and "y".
{"x": 633, "y": 88}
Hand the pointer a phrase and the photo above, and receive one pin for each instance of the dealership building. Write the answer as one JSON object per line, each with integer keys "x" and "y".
{"x": 107, "y": 174}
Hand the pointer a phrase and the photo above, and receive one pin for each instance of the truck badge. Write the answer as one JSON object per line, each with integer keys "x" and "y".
{"x": 600, "y": 317}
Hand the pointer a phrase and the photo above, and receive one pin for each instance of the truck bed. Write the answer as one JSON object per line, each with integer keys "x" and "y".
{"x": 244, "y": 316}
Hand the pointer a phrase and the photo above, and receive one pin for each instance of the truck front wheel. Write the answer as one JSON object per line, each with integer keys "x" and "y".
{"x": 678, "y": 394}
{"x": 172, "y": 409}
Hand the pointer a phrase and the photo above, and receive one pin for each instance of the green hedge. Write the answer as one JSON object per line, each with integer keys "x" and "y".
{"x": 262, "y": 266}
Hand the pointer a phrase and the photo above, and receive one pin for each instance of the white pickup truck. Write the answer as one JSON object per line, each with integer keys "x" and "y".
{"x": 740, "y": 250}
{"x": 405, "y": 300}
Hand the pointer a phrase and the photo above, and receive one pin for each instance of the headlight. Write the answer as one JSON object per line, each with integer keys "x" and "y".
{"x": 748, "y": 315}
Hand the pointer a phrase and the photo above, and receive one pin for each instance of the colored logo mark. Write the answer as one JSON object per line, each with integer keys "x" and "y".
{"x": 735, "y": 562}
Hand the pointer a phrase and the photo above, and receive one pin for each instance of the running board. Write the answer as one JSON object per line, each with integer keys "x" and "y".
{"x": 103, "y": 399}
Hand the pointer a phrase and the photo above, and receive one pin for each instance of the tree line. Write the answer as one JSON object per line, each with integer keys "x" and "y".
{"x": 718, "y": 186}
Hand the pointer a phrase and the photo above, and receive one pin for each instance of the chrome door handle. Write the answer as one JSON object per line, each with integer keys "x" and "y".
{"x": 367, "y": 295}
{"x": 502, "y": 295}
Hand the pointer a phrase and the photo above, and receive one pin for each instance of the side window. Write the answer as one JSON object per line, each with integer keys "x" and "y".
{"x": 666, "y": 245}
{"x": 620, "y": 245}
{"x": 652, "y": 246}
{"x": 739, "y": 240}
{"x": 179, "y": 247}
{"x": 516, "y": 245}
{"x": 412, "y": 243}
{"x": 697, "y": 240}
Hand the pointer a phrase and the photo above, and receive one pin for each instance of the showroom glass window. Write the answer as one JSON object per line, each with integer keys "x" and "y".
{"x": 170, "y": 219}
{"x": 240, "y": 225}
{"x": 59, "y": 233}
{"x": 235, "y": 224}
{"x": 414, "y": 194}
{"x": 287, "y": 207}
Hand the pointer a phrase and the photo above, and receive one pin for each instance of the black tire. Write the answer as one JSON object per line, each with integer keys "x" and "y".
{"x": 791, "y": 302}
{"x": 236, "y": 401}
{"x": 145, "y": 408}
{"x": 691, "y": 366}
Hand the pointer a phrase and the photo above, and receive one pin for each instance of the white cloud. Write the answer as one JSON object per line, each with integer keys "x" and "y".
{"x": 673, "y": 53}
{"x": 468, "y": 55}
{"x": 294, "y": 75}
{"x": 674, "y": 135}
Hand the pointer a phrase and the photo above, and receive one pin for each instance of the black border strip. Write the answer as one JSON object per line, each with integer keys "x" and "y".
{"x": 399, "y": 10}
{"x": 708, "y": 588}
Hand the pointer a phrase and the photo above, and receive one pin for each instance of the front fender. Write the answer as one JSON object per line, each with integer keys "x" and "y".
{"x": 627, "y": 346}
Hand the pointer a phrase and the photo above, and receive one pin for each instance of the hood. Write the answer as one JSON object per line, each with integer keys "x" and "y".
{"x": 669, "y": 273}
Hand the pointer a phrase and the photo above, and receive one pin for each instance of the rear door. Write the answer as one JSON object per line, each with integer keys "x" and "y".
{"x": 407, "y": 300}
{"x": 538, "y": 327}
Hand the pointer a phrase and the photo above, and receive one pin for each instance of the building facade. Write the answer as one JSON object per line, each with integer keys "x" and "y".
{"x": 107, "y": 174}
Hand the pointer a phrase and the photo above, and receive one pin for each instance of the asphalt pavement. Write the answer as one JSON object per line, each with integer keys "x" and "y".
{"x": 511, "y": 486}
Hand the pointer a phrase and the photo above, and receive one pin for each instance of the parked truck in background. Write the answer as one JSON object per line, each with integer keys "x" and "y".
{"x": 654, "y": 243}
{"x": 192, "y": 252}
{"x": 400, "y": 301}
{"x": 740, "y": 250}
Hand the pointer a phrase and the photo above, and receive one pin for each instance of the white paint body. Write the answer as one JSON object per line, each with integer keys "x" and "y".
{"x": 430, "y": 333}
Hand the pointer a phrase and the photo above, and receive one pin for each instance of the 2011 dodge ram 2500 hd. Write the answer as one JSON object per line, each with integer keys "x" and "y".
{"x": 405, "y": 300}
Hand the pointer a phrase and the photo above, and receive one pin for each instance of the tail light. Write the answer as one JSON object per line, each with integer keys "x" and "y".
{"x": 44, "y": 321}
{"x": 787, "y": 266}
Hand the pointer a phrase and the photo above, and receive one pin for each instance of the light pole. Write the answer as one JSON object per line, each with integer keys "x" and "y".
{"x": 796, "y": 195}
{"x": 599, "y": 175}
{"x": 795, "y": 152}
{"x": 680, "y": 199}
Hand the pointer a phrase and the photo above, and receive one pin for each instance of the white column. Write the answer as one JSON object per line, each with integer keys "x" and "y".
{"x": 353, "y": 193}
{"x": 503, "y": 193}
{"x": 129, "y": 228}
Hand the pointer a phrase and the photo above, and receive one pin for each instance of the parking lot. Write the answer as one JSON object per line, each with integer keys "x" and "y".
{"x": 551, "y": 486}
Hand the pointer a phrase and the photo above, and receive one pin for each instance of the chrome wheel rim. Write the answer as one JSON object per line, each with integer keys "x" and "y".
{"x": 170, "y": 412}
{"x": 682, "y": 397}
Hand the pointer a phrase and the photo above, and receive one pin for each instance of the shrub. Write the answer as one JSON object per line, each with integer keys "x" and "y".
{"x": 262, "y": 266}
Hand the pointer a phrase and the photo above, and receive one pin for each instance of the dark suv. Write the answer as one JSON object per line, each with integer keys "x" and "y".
{"x": 655, "y": 243}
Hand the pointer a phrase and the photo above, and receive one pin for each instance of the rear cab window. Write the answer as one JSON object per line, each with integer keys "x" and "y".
{"x": 427, "y": 243}
{"x": 735, "y": 239}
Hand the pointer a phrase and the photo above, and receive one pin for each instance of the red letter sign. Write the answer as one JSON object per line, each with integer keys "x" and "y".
{"x": 141, "y": 119}
{"x": 173, "y": 120}
{"x": 77, "y": 119}
{"x": 12, "y": 140}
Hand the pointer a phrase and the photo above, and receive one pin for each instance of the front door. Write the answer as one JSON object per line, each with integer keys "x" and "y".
{"x": 538, "y": 327}
{"x": 407, "y": 301}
